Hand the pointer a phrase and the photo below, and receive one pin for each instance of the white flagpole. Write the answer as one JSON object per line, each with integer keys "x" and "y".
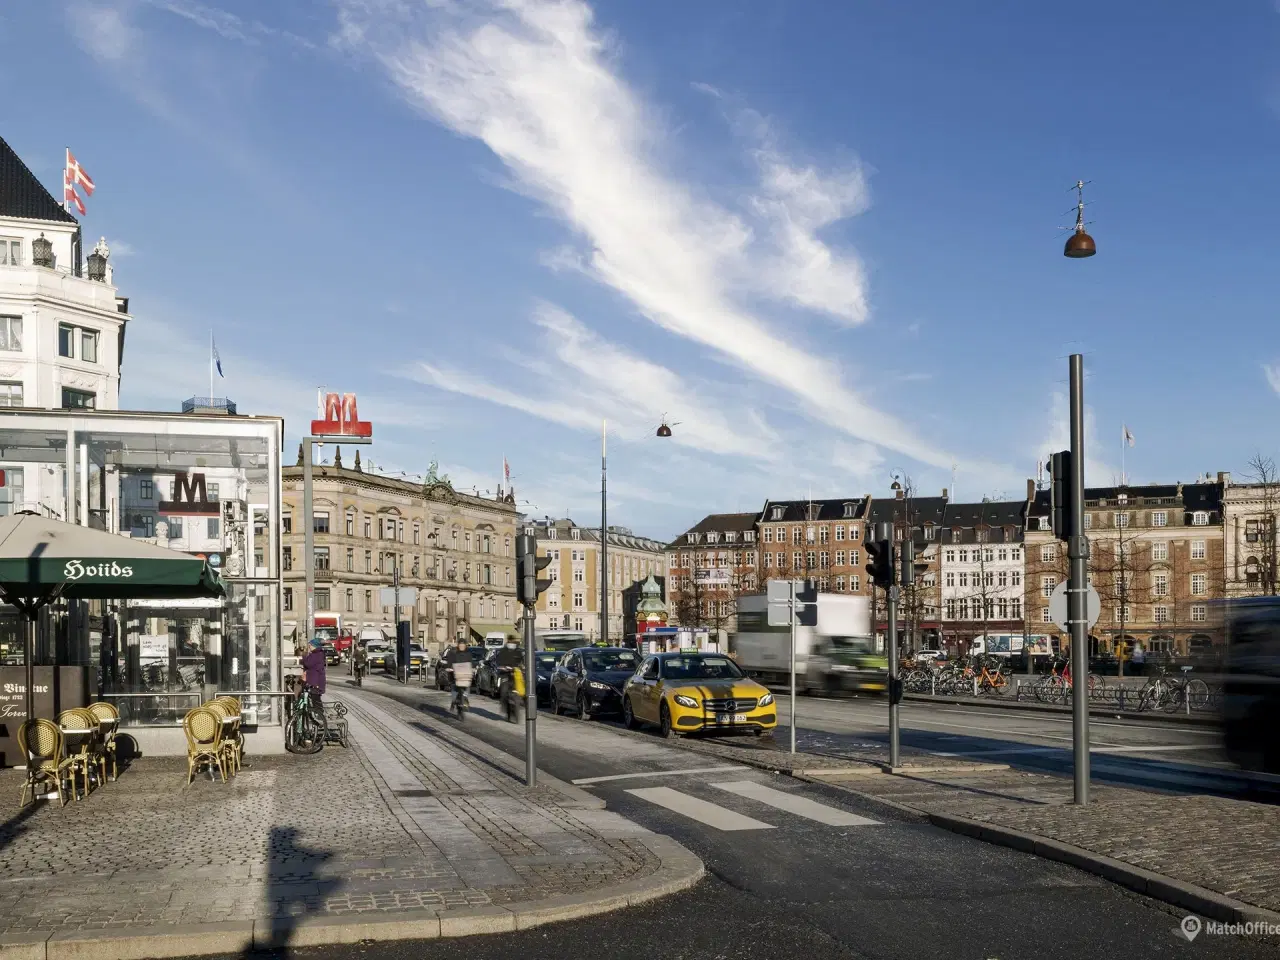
{"x": 1124, "y": 442}
{"x": 210, "y": 365}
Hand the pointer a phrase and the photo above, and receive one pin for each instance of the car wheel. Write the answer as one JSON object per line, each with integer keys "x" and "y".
{"x": 664, "y": 720}
{"x": 583, "y": 712}
{"x": 628, "y": 715}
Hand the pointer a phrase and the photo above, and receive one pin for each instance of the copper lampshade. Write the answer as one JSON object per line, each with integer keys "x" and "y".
{"x": 1079, "y": 244}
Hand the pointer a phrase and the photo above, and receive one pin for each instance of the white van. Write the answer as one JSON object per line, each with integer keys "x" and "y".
{"x": 494, "y": 640}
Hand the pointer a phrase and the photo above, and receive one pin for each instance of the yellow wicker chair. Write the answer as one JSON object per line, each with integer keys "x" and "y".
{"x": 109, "y": 723}
{"x": 97, "y": 744}
{"x": 203, "y": 728}
{"x": 229, "y": 749}
{"x": 79, "y": 747}
{"x": 40, "y": 741}
{"x": 233, "y": 705}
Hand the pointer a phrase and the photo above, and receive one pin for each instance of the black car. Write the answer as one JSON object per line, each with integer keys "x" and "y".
{"x": 331, "y": 655}
{"x": 487, "y": 679}
{"x": 588, "y": 680}
{"x": 442, "y": 667}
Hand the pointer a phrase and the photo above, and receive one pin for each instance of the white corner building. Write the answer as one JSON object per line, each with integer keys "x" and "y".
{"x": 62, "y": 323}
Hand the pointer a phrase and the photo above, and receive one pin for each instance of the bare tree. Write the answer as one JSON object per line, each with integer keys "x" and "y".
{"x": 1259, "y": 576}
{"x": 1121, "y": 570}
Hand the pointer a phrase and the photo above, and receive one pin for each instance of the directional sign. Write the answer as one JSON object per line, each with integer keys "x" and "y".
{"x": 1058, "y": 606}
{"x": 779, "y": 594}
{"x": 408, "y": 596}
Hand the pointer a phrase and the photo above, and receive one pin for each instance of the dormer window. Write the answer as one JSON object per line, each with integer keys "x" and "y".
{"x": 712, "y": 536}
{"x": 749, "y": 536}
{"x": 955, "y": 535}
{"x": 575, "y": 534}
{"x": 776, "y": 513}
{"x": 813, "y": 511}
{"x": 551, "y": 533}
{"x": 930, "y": 532}
{"x": 731, "y": 537}
{"x": 1200, "y": 519}
{"x": 850, "y": 509}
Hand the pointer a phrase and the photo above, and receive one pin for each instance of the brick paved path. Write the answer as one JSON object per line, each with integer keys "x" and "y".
{"x": 402, "y": 821}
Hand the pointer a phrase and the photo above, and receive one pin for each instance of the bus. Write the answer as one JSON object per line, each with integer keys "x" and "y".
{"x": 559, "y": 640}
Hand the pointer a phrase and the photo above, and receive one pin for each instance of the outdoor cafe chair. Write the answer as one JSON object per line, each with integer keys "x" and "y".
{"x": 108, "y": 725}
{"x": 203, "y": 728}
{"x": 230, "y": 750}
{"x": 78, "y": 734}
{"x": 233, "y": 705}
{"x": 40, "y": 741}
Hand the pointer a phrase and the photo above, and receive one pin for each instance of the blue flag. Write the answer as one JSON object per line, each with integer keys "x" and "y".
{"x": 217, "y": 360}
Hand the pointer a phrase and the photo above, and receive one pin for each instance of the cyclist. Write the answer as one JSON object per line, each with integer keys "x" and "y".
{"x": 509, "y": 660}
{"x": 313, "y": 672}
{"x": 456, "y": 654}
{"x": 359, "y": 661}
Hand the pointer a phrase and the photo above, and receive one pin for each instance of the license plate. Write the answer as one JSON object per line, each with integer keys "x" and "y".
{"x": 731, "y": 718}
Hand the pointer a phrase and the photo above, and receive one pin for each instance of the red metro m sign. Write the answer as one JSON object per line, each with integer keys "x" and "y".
{"x": 340, "y": 418}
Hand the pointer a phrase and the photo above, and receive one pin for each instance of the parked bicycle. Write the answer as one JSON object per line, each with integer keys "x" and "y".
{"x": 305, "y": 730}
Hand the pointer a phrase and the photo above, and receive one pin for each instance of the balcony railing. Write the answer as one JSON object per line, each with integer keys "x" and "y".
{"x": 219, "y": 404}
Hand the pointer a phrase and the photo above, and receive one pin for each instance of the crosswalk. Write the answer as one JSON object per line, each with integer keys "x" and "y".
{"x": 728, "y": 820}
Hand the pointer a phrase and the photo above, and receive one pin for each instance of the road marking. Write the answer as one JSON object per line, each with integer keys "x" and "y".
{"x": 700, "y": 810}
{"x": 793, "y": 803}
{"x": 1138, "y": 748}
{"x": 587, "y": 781}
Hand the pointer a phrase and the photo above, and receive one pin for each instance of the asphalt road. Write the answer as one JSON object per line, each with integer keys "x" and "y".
{"x": 806, "y": 870}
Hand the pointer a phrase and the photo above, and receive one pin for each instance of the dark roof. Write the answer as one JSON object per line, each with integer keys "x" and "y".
{"x": 995, "y": 513}
{"x": 618, "y": 536}
{"x": 797, "y": 511}
{"x": 22, "y": 195}
{"x": 1194, "y": 496}
{"x": 1203, "y": 496}
{"x": 923, "y": 510}
{"x": 720, "y": 523}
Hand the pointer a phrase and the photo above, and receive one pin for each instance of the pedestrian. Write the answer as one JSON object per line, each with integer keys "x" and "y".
{"x": 1139, "y": 658}
{"x": 313, "y": 672}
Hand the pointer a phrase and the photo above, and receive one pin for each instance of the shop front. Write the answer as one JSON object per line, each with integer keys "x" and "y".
{"x": 203, "y": 484}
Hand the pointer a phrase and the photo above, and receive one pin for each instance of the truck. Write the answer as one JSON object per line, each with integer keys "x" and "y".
{"x": 837, "y": 655}
{"x": 1010, "y": 645}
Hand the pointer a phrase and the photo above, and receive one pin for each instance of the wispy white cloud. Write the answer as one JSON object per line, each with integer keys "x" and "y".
{"x": 1098, "y": 470}
{"x": 225, "y": 24}
{"x": 537, "y": 82}
{"x": 584, "y": 379}
{"x": 1272, "y": 370}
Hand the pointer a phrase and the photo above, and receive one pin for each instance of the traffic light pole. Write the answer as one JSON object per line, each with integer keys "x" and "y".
{"x": 892, "y": 604}
{"x": 1077, "y": 588}
{"x": 531, "y": 702}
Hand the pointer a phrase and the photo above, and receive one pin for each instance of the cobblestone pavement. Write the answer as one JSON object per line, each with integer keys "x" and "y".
{"x": 401, "y": 821}
{"x": 1229, "y": 846}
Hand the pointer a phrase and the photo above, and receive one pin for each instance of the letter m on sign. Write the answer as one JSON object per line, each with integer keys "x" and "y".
{"x": 190, "y": 497}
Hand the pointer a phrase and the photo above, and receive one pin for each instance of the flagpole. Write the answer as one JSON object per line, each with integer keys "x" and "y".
{"x": 1124, "y": 442}
{"x": 211, "y": 365}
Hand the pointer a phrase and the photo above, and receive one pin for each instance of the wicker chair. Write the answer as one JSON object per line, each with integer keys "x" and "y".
{"x": 109, "y": 723}
{"x": 233, "y": 704}
{"x": 79, "y": 746}
{"x": 203, "y": 728}
{"x": 40, "y": 741}
{"x": 230, "y": 751}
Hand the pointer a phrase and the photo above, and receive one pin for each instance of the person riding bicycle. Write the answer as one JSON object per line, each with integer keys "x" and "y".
{"x": 313, "y": 672}
{"x": 456, "y": 654}
{"x": 509, "y": 659}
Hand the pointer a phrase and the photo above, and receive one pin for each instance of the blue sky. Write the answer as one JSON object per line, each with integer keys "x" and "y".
{"x": 820, "y": 237}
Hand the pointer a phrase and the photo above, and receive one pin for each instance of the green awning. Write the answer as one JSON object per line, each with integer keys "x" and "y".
{"x": 39, "y": 556}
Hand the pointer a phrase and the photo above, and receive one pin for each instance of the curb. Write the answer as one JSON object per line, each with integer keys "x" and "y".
{"x": 1174, "y": 719}
{"x": 1206, "y": 903}
{"x": 679, "y": 870}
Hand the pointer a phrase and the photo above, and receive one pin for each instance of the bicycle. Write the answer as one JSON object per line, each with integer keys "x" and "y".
{"x": 1188, "y": 693}
{"x": 511, "y": 691}
{"x": 461, "y": 678}
{"x": 306, "y": 728}
{"x": 992, "y": 681}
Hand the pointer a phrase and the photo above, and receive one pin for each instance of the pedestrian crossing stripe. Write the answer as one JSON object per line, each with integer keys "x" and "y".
{"x": 794, "y": 803}
{"x": 722, "y": 818}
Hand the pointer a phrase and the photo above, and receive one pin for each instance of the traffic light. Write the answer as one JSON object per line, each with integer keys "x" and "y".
{"x": 880, "y": 562}
{"x": 528, "y": 586}
{"x": 807, "y": 604}
{"x": 1060, "y": 494}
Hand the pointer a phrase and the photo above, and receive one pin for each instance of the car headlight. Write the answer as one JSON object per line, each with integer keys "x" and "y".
{"x": 597, "y": 685}
{"x": 765, "y": 700}
{"x": 684, "y": 701}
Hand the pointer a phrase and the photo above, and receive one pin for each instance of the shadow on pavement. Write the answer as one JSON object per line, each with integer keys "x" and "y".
{"x": 294, "y": 890}
{"x": 16, "y": 826}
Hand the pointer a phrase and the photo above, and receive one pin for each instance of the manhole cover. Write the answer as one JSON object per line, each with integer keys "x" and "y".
{"x": 411, "y": 793}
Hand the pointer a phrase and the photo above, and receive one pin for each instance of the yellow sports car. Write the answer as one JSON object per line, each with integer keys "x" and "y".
{"x": 687, "y": 692}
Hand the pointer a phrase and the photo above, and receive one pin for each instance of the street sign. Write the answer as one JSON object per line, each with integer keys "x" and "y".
{"x": 1058, "y": 606}
{"x": 779, "y": 594}
{"x": 408, "y": 596}
{"x": 778, "y": 591}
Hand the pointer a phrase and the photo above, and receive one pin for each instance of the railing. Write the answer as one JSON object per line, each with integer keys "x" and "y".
{"x": 1113, "y": 695}
{"x": 208, "y": 403}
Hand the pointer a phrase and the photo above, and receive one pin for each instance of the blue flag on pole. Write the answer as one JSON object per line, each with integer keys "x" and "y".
{"x": 217, "y": 360}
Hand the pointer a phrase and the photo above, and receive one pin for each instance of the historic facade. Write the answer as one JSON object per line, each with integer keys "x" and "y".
{"x": 711, "y": 564}
{"x": 573, "y": 600}
{"x": 457, "y": 550}
{"x": 983, "y": 565}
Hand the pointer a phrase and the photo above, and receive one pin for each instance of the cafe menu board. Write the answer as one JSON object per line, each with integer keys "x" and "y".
{"x": 53, "y": 694}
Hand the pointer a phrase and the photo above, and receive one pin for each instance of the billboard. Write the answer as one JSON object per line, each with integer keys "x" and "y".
{"x": 713, "y": 577}
{"x": 339, "y": 417}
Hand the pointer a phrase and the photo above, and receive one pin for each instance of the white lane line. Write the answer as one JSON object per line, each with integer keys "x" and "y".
{"x": 587, "y": 781}
{"x": 700, "y": 810}
{"x": 792, "y": 803}
{"x": 1159, "y": 748}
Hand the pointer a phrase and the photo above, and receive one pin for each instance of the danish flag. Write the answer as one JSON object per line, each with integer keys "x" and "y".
{"x": 74, "y": 176}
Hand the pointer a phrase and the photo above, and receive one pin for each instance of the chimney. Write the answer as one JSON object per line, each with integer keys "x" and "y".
{"x": 1031, "y": 489}
{"x": 1224, "y": 478}
{"x": 944, "y": 493}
